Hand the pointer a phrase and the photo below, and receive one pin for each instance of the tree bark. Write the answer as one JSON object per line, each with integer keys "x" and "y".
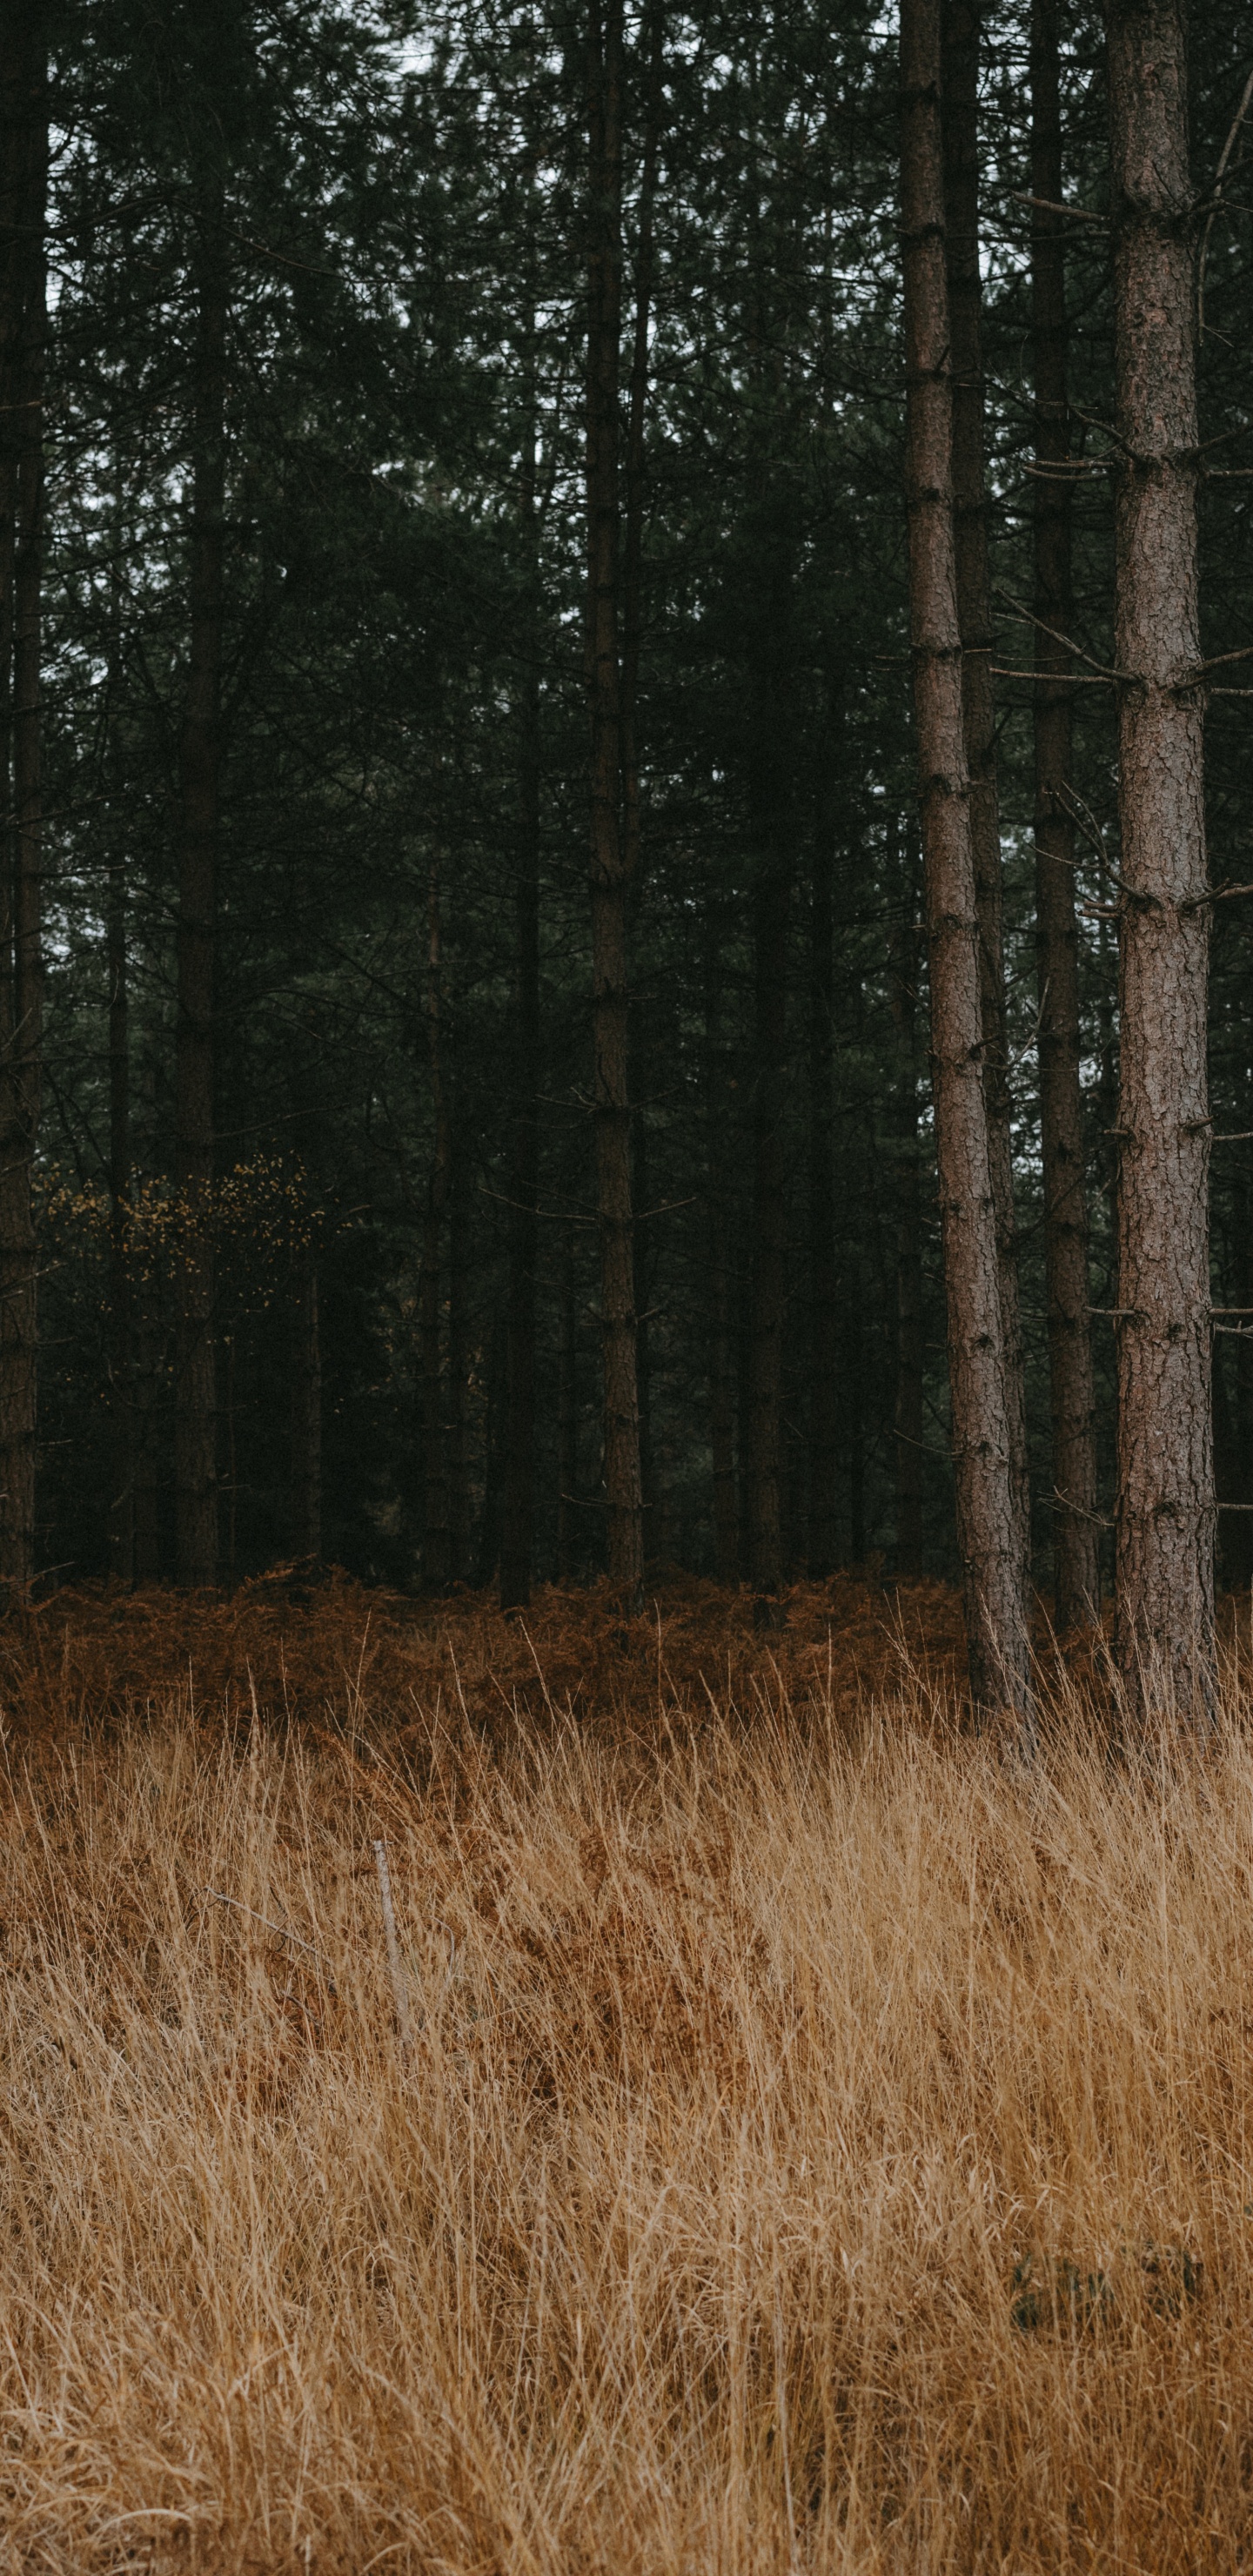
{"x": 1239, "y": 1535}
{"x": 908, "y": 1412}
{"x": 823, "y": 1290}
{"x": 771, "y": 906}
{"x": 1076, "y": 1534}
{"x": 637, "y": 1060}
{"x": 195, "y": 1368}
{"x": 121, "y": 1357}
{"x": 23, "y": 337}
{"x": 637, "y": 405}
{"x": 768, "y": 615}
{"x": 1165, "y": 1502}
{"x": 567, "y": 1413}
{"x": 609, "y": 878}
{"x": 1234, "y": 1455}
{"x": 435, "y": 1544}
{"x": 962, "y": 25}
{"x": 455, "y": 1431}
{"x": 988, "y": 1520}
{"x": 854, "y": 1359}
{"x": 517, "y": 1539}
{"x": 722, "y": 1367}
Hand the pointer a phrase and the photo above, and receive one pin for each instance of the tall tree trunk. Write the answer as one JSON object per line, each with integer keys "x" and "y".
{"x": 1076, "y": 1535}
{"x": 962, "y": 21}
{"x": 195, "y": 1392}
{"x": 721, "y": 1346}
{"x": 637, "y": 1059}
{"x": 435, "y": 1548}
{"x": 458, "y": 1330}
{"x": 121, "y": 1369}
{"x": 854, "y": 1341}
{"x": 1165, "y": 1503}
{"x": 908, "y": 1416}
{"x": 567, "y": 1413}
{"x": 306, "y": 1419}
{"x": 722, "y": 1403}
{"x": 23, "y": 335}
{"x": 988, "y": 1519}
{"x": 609, "y": 880}
{"x": 1237, "y": 1536}
{"x": 637, "y": 405}
{"x": 488, "y": 1559}
{"x": 632, "y": 635}
{"x": 771, "y": 905}
{"x": 823, "y": 1290}
{"x": 517, "y": 1538}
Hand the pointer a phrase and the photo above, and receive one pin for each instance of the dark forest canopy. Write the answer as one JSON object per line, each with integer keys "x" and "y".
{"x": 356, "y": 321}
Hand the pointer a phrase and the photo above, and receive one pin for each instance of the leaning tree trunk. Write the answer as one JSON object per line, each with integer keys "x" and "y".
{"x": 23, "y": 334}
{"x": 195, "y": 1371}
{"x": 1076, "y": 1533}
{"x": 1165, "y": 1502}
{"x": 960, "y": 85}
{"x": 988, "y": 1525}
{"x": 609, "y": 876}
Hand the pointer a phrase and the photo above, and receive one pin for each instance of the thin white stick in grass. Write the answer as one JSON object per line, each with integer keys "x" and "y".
{"x": 279, "y": 1929}
{"x": 399, "y": 1988}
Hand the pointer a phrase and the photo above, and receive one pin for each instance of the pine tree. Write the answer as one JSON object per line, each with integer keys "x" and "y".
{"x": 1165, "y": 1497}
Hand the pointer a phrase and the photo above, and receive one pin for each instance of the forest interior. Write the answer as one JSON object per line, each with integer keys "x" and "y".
{"x": 626, "y": 1235}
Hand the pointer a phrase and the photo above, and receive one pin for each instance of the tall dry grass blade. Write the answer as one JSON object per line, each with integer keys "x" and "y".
{"x": 400, "y": 1989}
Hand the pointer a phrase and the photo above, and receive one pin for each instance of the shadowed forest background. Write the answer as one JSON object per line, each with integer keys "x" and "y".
{"x": 314, "y": 389}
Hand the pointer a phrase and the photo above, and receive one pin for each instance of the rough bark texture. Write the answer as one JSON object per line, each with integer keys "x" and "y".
{"x": 987, "y": 1516}
{"x": 609, "y": 879}
{"x": 195, "y": 1369}
{"x": 961, "y": 29}
{"x": 823, "y": 1292}
{"x": 1076, "y": 1533}
{"x": 23, "y": 332}
{"x": 910, "y": 1353}
{"x": 1234, "y": 1454}
{"x": 1165, "y": 1502}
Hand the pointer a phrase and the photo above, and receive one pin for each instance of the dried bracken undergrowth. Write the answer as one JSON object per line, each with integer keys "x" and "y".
{"x": 310, "y": 1650}
{"x": 821, "y": 2148}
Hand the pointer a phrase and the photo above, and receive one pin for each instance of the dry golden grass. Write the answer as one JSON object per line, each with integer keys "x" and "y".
{"x": 822, "y": 2148}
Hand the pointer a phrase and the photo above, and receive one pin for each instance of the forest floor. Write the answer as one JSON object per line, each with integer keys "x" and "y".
{"x": 819, "y": 2144}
